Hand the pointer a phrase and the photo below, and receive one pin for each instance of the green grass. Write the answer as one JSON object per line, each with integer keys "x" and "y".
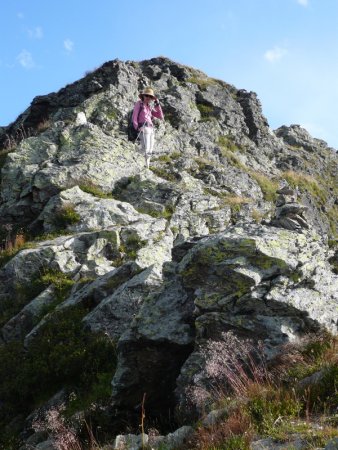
{"x": 202, "y": 83}
{"x": 91, "y": 188}
{"x": 164, "y": 173}
{"x": 306, "y": 183}
{"x": 268, "y": 186}
{"x": 277, "y": 406}
{"x": 131, "y": 246}
{"x": 167, "y": 212}
{"x": 227, "y": 143}
{"x": 206, "y": 111}
{"x": 332, "y": 215}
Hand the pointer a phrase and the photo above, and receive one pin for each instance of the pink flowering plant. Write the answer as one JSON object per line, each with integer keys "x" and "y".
{"x": 62, "y": 435}
{"x": 229, "y": 366}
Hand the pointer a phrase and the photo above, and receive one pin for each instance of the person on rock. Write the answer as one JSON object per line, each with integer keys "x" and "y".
{"x": 144, "y": 110}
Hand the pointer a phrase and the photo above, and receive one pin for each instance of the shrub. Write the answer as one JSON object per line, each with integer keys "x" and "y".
{"x": 332, "y": 215}
{"x": 22, "y": 295}
{"x": 131, "y": 246}
{"x": 66, "y": 215}
{"x": 3, "y": 157}
{"x": 11, "y": 242}
{"x": 62, "y": 355}
{"x": 268, "y": 406}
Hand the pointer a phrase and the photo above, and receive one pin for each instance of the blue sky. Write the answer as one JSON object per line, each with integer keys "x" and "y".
{"x": 284, "y": 50}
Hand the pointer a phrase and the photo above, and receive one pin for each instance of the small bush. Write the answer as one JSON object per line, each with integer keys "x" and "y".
{"x": 131, "y": 246}
{"x": 3, "y": 157}
{"x": 62, "y": 355}
{"x": 22, "y": 295}
{"x": 268, "y": 406}
{"x": 65, "y": 216}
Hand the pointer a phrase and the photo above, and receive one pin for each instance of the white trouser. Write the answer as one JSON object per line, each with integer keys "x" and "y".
{"x": 147, "y": 140}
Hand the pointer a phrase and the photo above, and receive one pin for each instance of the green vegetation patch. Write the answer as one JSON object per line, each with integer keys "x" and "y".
{"x": 65, "y": 216}
{"x": 332, "y": 215}
{"x": 206, "y": 111}
{"x": 24, "y": 293}
{"x": 91, "y": 188}
{"x": 269, "y": 405}
{"x": 202, "y": 83}
{"x": 268, "y": 186}
{"x": 164, "y": 172}
{"x": 131, "y": 245}
{"x": 227, "y": 143}
{"x": 63, "y": 355}
{"x": 306, "y": 183}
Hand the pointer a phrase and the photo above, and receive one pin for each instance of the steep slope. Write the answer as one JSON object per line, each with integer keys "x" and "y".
{"x": 155, "y": 262}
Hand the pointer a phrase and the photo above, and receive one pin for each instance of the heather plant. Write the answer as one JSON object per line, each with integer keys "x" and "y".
{"x": 11, "y": 241}
{"x": 273, "y": 401}
{"x": 234, "y": 364}
{"x": 63, "y": 436}
{"x": 61, "y": 432}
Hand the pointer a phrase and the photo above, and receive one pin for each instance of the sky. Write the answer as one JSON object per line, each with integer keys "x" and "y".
{"x": 286, "y": 51}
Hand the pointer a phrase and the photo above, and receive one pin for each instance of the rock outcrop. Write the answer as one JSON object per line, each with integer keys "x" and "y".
{"x": 163, "y": 260}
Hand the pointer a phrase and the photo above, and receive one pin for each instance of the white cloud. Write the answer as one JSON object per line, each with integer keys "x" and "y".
{"x": 25, "y": 59}
{"x": 68, "y": 45}
{"x": 303, "y": 2}
{"x": 275, "y": 54}
{"x": 35, "y": 33}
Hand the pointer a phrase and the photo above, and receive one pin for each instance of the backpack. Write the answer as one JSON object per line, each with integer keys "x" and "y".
{"x": 131, "y": 132}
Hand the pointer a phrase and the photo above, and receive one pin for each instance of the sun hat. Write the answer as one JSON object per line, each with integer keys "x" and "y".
{"x": 147, "y": 91}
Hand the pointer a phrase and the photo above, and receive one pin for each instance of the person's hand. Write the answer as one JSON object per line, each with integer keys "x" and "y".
{"x": 157, "y": 102}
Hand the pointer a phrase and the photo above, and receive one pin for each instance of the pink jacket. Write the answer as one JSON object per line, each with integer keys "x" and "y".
{"x": 143, "y": 113}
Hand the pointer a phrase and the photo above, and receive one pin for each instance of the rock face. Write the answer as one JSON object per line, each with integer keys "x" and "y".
{"x": 166, "y": 259}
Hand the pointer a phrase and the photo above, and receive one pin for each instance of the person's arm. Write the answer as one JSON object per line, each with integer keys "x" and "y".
{"x": 136, "y": 114}
{"x": 157, "y": 111}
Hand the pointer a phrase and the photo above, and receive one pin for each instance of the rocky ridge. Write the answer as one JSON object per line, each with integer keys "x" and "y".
{"x": 167, "y": 259}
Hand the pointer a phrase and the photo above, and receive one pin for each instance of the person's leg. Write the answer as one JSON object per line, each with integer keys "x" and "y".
{"x": 148, "y": 136}
{"x": 143, "y": 141}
